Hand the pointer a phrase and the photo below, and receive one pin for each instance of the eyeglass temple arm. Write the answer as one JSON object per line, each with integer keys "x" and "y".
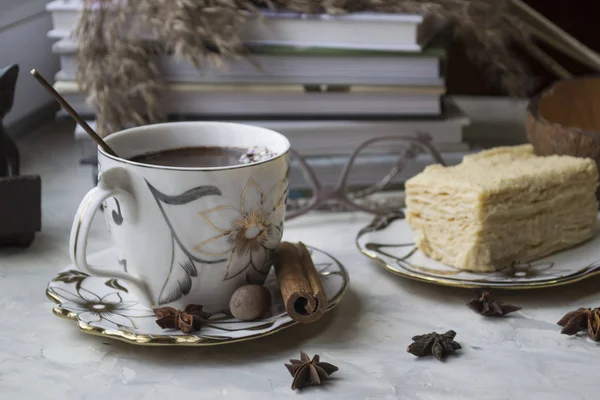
{"x": 316, "y": 185}
{"x": 393, "y": 172}
{"x": 422, "y": 140}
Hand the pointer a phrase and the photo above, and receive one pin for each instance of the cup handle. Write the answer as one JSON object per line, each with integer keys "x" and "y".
{"x": 81, "y": 227}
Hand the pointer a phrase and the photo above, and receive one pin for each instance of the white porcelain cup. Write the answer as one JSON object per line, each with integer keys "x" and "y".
{"x": 187, "y": 235}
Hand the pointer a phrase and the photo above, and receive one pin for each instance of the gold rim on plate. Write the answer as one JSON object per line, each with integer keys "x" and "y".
{"x": 383, "y": 222}
{"x": 142, "y": 339}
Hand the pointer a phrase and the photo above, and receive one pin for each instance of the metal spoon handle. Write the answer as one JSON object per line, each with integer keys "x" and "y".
{"x": 67, "y": 107}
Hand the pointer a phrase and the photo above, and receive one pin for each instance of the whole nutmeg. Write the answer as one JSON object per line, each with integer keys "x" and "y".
{"x": 249, "y": 302}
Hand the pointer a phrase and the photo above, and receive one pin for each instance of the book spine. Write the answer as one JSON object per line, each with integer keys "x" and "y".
{"x": 403, "y": 29}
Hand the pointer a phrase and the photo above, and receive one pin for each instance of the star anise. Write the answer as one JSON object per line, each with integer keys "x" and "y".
{"x": 486, "y": 306}
{"x": 188, "y": 320}
{"x": 580, "y": 320}
{"x": 307, "y": 372}
{"x": 434, "y": 344}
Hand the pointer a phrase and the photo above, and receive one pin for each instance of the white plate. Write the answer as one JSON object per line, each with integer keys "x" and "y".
{"x": 105, "y": 307}
{"x": 390, "y": 241}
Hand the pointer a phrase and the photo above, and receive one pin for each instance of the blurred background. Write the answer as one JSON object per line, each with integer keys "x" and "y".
{"x": 327, "y": 84}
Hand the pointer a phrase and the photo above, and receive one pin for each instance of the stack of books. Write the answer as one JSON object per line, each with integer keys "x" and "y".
{"x": 326, "y": 82}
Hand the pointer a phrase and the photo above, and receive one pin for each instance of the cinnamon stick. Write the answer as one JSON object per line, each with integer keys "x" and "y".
{"x": 301, "y": 288}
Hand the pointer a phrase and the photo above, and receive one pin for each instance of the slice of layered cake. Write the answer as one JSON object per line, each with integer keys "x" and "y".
{"x": 502, "y": 206}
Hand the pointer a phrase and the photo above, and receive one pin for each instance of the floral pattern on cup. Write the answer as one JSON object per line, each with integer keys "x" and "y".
{"x": 245, "y": 236}
{"x": 253, "y": 233}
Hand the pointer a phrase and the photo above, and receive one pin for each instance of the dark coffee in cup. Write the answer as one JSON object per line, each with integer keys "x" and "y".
{"x": 193, "y": 157}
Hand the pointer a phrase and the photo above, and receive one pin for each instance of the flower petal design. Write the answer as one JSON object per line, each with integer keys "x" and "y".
{"x": 542, "y": 266}
{"x": 70, "y": 297}
{"x": 286, "y": 191}
{"x": 73, "y": 307}
{"x": 258, "y": 260}
{"x": 220, "y": 218}
{"x": 134, "y": 312}
{"x": 215, "y": 246}
{"x": 117, "y": 319}
{"x": 112, "y": 298}
{"x": 278, "y": 215}
{"x": 273, "y": 239}
{"x": 89, "y": 317}
{"x": 252, "y": 197}
{"x": 247, "y": 234}
{"x": 238, "y": 262}
{"x": 128, "y": 304}
{"x": 275, "y": 197}
{"x": 268, "y": 261}
{"x": 275, "y": 233}
{"x": 89, "y": 297}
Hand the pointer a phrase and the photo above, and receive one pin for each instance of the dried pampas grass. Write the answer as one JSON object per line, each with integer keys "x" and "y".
{"x": 116, "y": 67}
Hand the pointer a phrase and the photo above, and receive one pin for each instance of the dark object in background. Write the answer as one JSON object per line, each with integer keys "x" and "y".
{"x": 578, "y": 18}
{"x": 20, "y": 196}
{"x": 9, "y": 154}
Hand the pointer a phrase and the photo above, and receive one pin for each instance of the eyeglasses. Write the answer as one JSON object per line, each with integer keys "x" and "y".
{"x": 403, "y": 149}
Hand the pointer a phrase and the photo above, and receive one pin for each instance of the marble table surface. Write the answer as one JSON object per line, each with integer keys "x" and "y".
{"x": 522, "y": 356}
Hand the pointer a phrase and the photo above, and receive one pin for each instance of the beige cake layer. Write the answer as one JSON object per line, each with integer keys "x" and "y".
{"x": 502, "y": 206}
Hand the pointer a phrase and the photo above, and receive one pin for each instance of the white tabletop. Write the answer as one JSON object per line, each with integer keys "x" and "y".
{"x": 522, "y": 356}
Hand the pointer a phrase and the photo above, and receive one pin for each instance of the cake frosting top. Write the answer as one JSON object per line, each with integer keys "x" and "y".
{"x": 508, "y": 168}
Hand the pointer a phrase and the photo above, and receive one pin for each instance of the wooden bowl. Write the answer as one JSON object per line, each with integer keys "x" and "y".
{"x": 565, "y": 119}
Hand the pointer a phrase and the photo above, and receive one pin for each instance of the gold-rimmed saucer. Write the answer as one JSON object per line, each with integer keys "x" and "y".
{"x": 105, "y": 307}
{"x": 389, "y": 241}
